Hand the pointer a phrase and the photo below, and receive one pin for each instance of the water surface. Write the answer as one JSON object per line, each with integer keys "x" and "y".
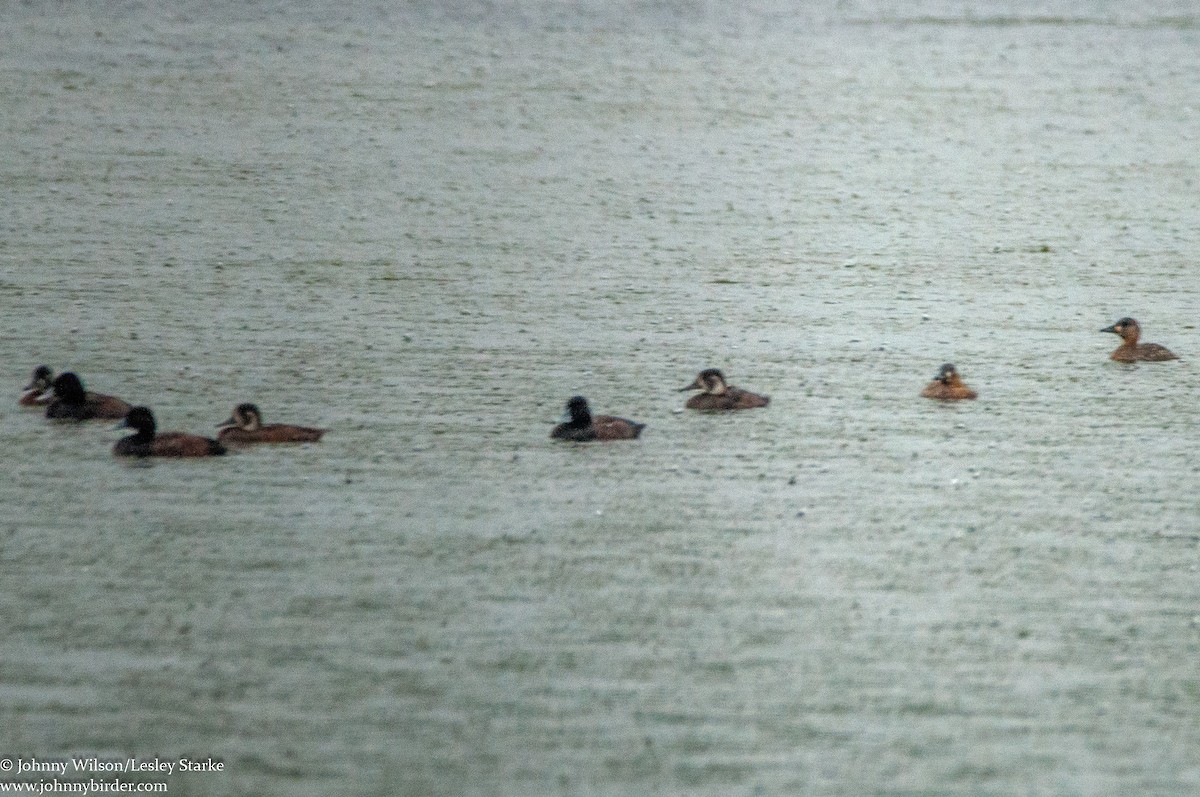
{"x": 426, "y": 227}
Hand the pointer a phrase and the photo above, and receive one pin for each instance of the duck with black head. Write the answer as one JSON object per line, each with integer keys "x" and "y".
{"x": 1130, "y": 351}
{"x": 948, "y": 386}
{"x": 147, "y": 441}
{"x": 581, "y": 426}
{"x": 37, "y": 392}
{"x": 245, "y": 426}
{"x": 73, "y": 403}
{"x": 717, "y": 395}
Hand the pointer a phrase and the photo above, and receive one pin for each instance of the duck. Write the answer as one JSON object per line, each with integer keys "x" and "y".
{"x": 582, "y": 426}
{"x": 37, "y": 391}
{"x": 146, "y": 442}
{"x": 245, "y": 426}
{"x": 948, "y": 386}
{"x": 73, "y": 403}
{"x": 717, "y": 395}
{"x": 1130, "y": 351}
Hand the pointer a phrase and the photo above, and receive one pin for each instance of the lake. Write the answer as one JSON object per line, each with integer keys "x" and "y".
{"x": 425, "y": 226}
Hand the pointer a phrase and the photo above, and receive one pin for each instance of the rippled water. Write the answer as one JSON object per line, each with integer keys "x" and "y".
{"x": 426, "y": 226}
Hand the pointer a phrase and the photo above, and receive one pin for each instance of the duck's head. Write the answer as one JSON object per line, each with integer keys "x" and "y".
{"x": 578, "y": 411}
{"x": 245, "y": 416}
{"x": 141, "y": 420}
{"x": 1127, "y": 328}
{"x": 947, "y": 374}
{"x": 710, "y": 380}
{"x": 69, "y": 388}
{"x": 42, "y": 379}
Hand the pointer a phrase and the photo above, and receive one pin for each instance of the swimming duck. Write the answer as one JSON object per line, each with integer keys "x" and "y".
{"x": 948, "y": 386}
{"x": 246, "y": 426}
{"x": 72, "y": 403}
{"x": 719, "y": 396}
{"x": 147, "y": 443}
{"x": 1131, "y": 351}
{"x": 584, "y": 426}
{"x": 36, "y": 392}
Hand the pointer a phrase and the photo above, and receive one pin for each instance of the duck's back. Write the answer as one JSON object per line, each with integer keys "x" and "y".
{"x": 168, "y": 444}
{"x": 745, "y": 400}
{"x": 610, "y": 427}
{"x": 734, "y": 398}
{"x": 59, "y": 410}
{"x": 131, "y": 447}
{"x": 1143, "y": 352}
{"x": 94, "y": 407}
{"x": 182, "y": 444}
{"x": 107, "y": 407}
{"x": 940, "y": 390}
{"x": 570, "y": 431}
{"x": 271, "y": 433}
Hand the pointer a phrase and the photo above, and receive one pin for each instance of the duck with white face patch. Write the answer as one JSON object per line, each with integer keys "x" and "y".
{"x": 245, "y": 426}
{"x": 36, "y": 392}
{"x": 716, "y": 394}
{"x": 1130, "y": 351}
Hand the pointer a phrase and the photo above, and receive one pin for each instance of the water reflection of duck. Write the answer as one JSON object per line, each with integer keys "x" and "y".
{"x": 147, "y": 442}
{"x": 948, "y": 386}
{"x": 1130, "y": 350}
{"x": 717, "y": 395}
{"x": 246, "y": 426}
{"x": 35, "y": 394}
{"x": 73, "y": 403}
{"x": 582, "y": 426}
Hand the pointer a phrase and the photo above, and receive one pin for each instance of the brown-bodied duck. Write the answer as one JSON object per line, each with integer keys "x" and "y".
{"x": 581, "y": 426}
{"x": 1130, "y": 351}
{"x": 147, "y": 441}
{"x": 717, "y": 395}
{"x": 73, "y": 403}
{"x": 245, "y": 426}
{"x": 948, "y": 386}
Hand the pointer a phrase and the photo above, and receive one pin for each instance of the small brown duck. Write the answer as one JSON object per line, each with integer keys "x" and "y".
{"x": 246, "y": 426}
{"x": 73, "y": 403}
{"x": 37, "y": 391}
{"x": 147, "y": 442}
{"x": 1131, "y": 351}
{"x": 719, "y": 396}
{"x": 581, "y": 426}
{"x": 948, "y": 386}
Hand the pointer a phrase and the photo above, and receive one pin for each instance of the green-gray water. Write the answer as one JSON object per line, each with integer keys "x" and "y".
{"x": 426, "y": 227}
